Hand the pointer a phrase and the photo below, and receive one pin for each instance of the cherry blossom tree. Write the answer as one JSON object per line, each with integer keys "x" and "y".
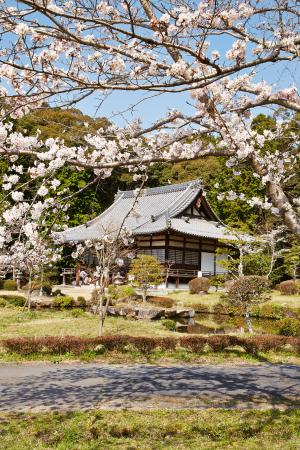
{"x": 111, "y": 252}
{"x": 217, "y": 52}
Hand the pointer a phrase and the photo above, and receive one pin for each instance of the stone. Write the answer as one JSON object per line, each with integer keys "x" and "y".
{"x": 179, "y": 313}
{"x": 150, "y": 313}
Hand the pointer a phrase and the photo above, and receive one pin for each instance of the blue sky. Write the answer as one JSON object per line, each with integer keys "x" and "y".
{"x": 151, "y": 109}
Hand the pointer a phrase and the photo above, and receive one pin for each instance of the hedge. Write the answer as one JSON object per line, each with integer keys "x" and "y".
{"x": 146, "y": 345}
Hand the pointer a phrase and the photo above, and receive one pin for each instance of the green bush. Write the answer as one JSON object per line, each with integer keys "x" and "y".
{"x": 169, "y": 324}
{"x": 119, "y": 292}
{"x": 65, "y": 301}
{"x": 125, "y": 291}
{"x": 289, "y": 327}
{"x": 9, "y": 285}
{"x": 77, "y": 312}
{"x": 15, "y": 300}
{"x": 218, "y": 281}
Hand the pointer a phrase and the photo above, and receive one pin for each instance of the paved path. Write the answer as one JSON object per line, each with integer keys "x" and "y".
{"x": 45, "y": 387}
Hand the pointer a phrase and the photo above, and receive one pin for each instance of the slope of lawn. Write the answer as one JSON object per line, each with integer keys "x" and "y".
{"x": 161, "y": 429}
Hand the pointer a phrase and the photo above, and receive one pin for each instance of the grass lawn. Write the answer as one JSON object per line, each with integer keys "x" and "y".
{"x": 187, "y": 299}
{"x": 161, "y": 429}
{"x": 14, "y": 323}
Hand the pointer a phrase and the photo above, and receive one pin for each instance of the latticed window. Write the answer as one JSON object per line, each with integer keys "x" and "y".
{"x": 191, "y": 258}
{"x": 159, "y": 253}
{"x": 176, "y": 256}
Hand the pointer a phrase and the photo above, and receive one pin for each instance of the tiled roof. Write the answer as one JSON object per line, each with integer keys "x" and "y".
{"x": 155, "y": 210}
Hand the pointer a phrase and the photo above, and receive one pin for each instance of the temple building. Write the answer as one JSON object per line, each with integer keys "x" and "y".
{"x": 174, "y": 223}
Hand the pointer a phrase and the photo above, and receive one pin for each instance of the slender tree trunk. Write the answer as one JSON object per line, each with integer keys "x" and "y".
{"x": 29, "y": 291}
{"x": 100, "y": 323}
{"x": 42, "y": 281}
{"x": 241, "y": 268}
{"x": 144, "y": 295}
{"x": 248, "y": 320}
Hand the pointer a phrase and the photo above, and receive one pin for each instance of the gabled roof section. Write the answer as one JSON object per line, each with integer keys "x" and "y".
{"x": 155, "y": 210}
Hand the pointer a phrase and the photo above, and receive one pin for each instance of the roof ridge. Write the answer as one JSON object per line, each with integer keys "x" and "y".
{"x": 161, "y": 189}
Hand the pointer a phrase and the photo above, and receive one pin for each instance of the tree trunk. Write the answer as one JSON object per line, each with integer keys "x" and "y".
{"x": 100, "y": 324}
{"x": 282, "y": 203}
{"x": 248, "y": 321}
{"x": 144, "y": 295}
{"x": 42, "y": 281}
{"x": 240, "y": 267}
{"x": 29, "y": 292}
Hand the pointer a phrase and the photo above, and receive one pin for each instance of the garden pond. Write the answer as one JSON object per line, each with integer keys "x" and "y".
{"x": 204, "y": 323}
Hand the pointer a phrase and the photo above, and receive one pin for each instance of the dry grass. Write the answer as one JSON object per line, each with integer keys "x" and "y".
{"x": 186, "y": 299}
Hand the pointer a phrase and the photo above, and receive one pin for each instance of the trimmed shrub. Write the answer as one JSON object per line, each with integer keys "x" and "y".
{"x": 65, "y": 301}
{"x": 263, "y": 343}
{"x": 15, "y": 300}
{"x": 169, "y": 324}
{"x": 289, "y": 327}
{"x": 195, "y": 344}
{"x": 146, "y": 345}
{"x": 199, "y": 285}
{"x": 220, "y": 343}
{"x": 289, "y": 287}
{"x": 164, "y": 302}
{"x": 9, "y": 285}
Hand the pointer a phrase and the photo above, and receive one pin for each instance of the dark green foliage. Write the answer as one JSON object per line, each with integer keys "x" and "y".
{"x": 9, "y": 285}
{"x": 66, "y": 301}
{"x": 169, "y": 324}
{"x": 15, "y": 300}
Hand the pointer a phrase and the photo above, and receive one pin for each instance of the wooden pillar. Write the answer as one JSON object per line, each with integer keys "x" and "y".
{"x": 177, "y": 282}
{"x": 200, "y": 255}
{"x": 167, "y": 238}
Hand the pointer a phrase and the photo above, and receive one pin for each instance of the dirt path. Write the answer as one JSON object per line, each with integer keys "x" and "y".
{"x": 46, "y": 387}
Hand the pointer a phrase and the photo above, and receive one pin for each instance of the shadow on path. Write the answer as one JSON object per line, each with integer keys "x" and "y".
{"x": 47, "y": 387}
